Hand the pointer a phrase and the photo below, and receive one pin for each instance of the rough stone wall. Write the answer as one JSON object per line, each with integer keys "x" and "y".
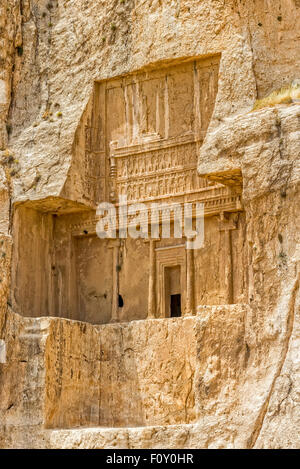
{"x": 247, "y": 360}
{"x": 22, "y": 375}
{"x": 66, "y": 374}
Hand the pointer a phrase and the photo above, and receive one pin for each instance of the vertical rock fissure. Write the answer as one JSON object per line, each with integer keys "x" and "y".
{"x": 289, "y": 330}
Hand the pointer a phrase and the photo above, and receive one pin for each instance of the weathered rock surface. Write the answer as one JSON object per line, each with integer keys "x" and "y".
{"x": 227, "y": 377}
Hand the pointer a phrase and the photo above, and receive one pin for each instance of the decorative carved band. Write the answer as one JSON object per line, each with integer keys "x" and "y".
{"x": 157, "y": 169}
{"x": 212, "y": 206}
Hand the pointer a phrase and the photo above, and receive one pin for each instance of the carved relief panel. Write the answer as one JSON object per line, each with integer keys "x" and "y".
{"x": 146, "y": 128}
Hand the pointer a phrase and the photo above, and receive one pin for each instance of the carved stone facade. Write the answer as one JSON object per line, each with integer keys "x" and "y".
{"x": 146, "y": 127}
{"x": 142, "y": 137}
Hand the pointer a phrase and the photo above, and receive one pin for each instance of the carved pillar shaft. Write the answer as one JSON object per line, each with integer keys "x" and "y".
{"x": 227, "y": 224}
{"x": 74, "y": 312}
{"x": 228, "y": 267}
{"x": 152, "y": 281}
{"x": 115, "y": 295}
{"x": 190, "y": 303}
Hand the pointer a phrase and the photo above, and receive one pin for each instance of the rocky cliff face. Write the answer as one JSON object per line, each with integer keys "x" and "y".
{"x": 55, "y": 50}
{"x": 237, "y": 385}
{"x": 264, "y": 148}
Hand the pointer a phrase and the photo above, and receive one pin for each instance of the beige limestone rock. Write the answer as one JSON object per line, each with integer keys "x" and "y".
{"x": 225, "y": 377}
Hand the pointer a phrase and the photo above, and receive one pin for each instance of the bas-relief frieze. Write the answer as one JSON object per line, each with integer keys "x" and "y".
{"x": 147, "y": 128}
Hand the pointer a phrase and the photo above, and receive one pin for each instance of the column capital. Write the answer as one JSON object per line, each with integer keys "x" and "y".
{"x": 227, "y": 221}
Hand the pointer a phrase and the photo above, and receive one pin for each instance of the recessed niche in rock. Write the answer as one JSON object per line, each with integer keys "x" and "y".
{"x": 141, "y": 135}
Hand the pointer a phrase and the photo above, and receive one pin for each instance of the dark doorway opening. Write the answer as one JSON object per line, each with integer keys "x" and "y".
{"x": 121, "y": 301}
{"x": 175, "y": 306}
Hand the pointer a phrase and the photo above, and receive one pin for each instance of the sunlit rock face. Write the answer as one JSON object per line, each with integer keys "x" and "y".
{"x": 137, "y": 341}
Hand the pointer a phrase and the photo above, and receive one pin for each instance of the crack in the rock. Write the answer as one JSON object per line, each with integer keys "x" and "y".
{"x": 289, "y": 330}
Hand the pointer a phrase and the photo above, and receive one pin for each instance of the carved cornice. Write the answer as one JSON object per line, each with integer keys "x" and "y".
{"x": 153, "y": 142}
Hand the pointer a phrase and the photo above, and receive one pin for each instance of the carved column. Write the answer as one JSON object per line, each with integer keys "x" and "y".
{"x": 227, "y": 225}
{"x": 152, "y": 281}
{"x": 115, "y": 276}
{"x": 112, "y": 173}
{"x": 190, "y": 301}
